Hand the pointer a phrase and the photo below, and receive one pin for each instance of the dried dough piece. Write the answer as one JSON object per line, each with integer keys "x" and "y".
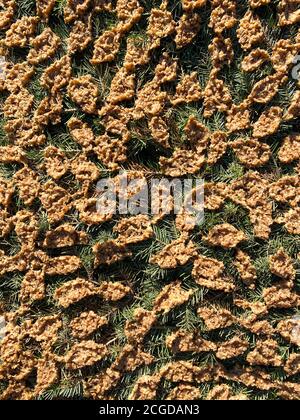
{"x": 290, "y": 149}
{"x": 57, "y": 75}
{"x": 289, "y": 391}
{"x": 283, "y": 55}
{"x": 281, "y": 297}
{"x": 151, "y": 100}
{"x": 7, "y": 14}
{"x": 43, "y": 47}
{"x": 184, "y": 392}
{"x": 161, "y": 25}
{"x": 55, "y": 200}
{"x": 110, "y": 252}
{"x": 134, "y": 229}
{"x": 230, "y": 349}
{"x": 137, "y": 54}
{"x": 81, "y": 133}
{"x": 122, "y": 87}
{"x": 49, "y": 110}
{"x": 20, "y": 32}
{"x": 224, "y": 393}
{"x": 33, "y": 287}
{"x": 28, "y": 184}
{"x": 80, "y": 35}
{"x": 251, "y": 152}
{"x": 62, "y": 266}
{"x": 250, "y": 31}
{"x": 289, "y": 329}
{"x": 293, "y": 111}
{"x": 291, "y": 221}
{"x": 258, "y": 3}
{"x": 89, "y": 214}
{"x": 85, "y": 353}
{"x": 12, "y": 154}
{"x": 65, "y": 236}
{"x": 286, "y": 190}
{"x": 281, "y": 265}
{"x": 74, "y": 291}
{"x": 137, "y": 328}
{"x": 288, "y": 12}
{"x": 225, "y": 235}
{"x": 17, "y": 76}
{"x": 129, "y": 13}
{"x": 84, "y": 92}
{"x": 6, "y": 192}
{"x": 159, "y": 131}
{"x": 166, "y": 70}
{"x": 268, "y": 123}
{"x": 188, "y": 90}
{"x": 87, "y": 323}
{"x": 189, "y": 5}
{"x": 208, "y": 272}
{"x": 238, "y": 117}
{"x": 44, "y": 8}
{"x": 182, "y": 342}
{"x": 26, "y": 227}
{"x": 266, "y": 353}
{"x": 182, "y": 162}
{"x": 45, "y": 329}
{"x": 265, "y": 90}
{"x": 47, "y": 374}
{"x": 187, "y": 29}
{"x": 182, "y": 371}
{"x": 55, "y": 162}
{"x": 217, "y": 96}
{"x": 145, "y": 388}
{"x": 292, "y": 366}
{"x": 253, "y": 378}
{"x": 254, "y": 60}
{"x": 75, "y": 9}
{"x": 177, "y": 253}
{"x": 114, "y": 291}
{"x": 106, "y": 47}
{"x": 97, "y": 387}
{"x": 170, "y": 297}
{"x": 6, "y": 223}
{"x": 111, "y": 151}
{"x": 18, "y": 104}
{"x": 131, "y": 358}
{"x": 214, "y": 195}
{"x": 25, "y": 132}
{"x": 245, "y": 268}
{"x": 221, "y": 52}
{"x": 84, "y": 170}
{"x": 217, "y": 148}
{"x": 223, "y": 15}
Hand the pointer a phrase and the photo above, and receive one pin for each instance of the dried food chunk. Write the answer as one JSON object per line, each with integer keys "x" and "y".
{"x": 257, "y": 327}
{"x": 137, "y": 328}
{"x": 8, "y": 8}
{"x": 114, "y": 291}
{"x": 20, "y": 32}
{"x": 166, "y": 70}
{"x": 258, "y": 3}
{"x": 28, "y": 185}
{"x": 81, "y": 133}
{"x": 281, "y": 296}
{"x": 224, "y": 393}
{"x": 131, "y": 358}
{"x": 251, "y": 152}
{"x": 47, "y": 374}
{"x": 75, "y": 9}
{"x": 64, "y": 265}
{"x": 268, "y": 123}
{"x": 65, "y": 236}
{"x": 97, "y": 387}
{"x": 214, "y": 195}
{"x": 182, "y": 342}
{"x": 217, "y": 96}
{"x": 286, "y": 190}
{"x": 26, "y": 227}
{"x": 55, "y": 200}
{"x": 74, "y": 291}
{"x": 253, "y": 378}
{"x": 288, "y": 12}
{"x": 188, "y": 90}
{"x": 151, "y": 100}
{"x": 293, "y": 111}
{"x": 106, "y": 47}
{"x": 232, "y": 348}
{"x": 43, "y": 47}
{"x": 197, "y": 134}
{"x": 187, "y": 29}
{"x": 45, "y": 329}
{"x": 254, "y": 60}
{"x": 245, "y": 268}
{"x": 289, "y": 329}
{"x": 134, "y": 229}
{"x": 225, "y": 235}
{"x": 259, "y": 309}
{"x": 182, "y": 162}
{"x": 238, "y": 117}
{"x": 170, "y": 297}
{"x": 217, "y": 148}
{"x": 17, "y": 75}
{"x": 12, "y": 154}
{"x": 189, "y": 5}
{"x": 122, "y": 87}
{"x": 6, "y": 223}
{"x": 291, "y": 221}
{"x": 145, "y": 388}
{"x": 85, "y": 353}
{"x": 289, "y": 391}
{"x": 223, "y": 15}
{"x": 110, "y": 252}
{"x": 89, "y": 214}
{"x": 292, "y": 366}
{"x": 87, "y": 323}
{"x": 55, "y": 162}
{"x": 33, "y": 287}
{"x": 161, "y": 25}
{"x": 44, "y": 8}
{"x": 265, "y": 90}
{"x": 84, "y": 170}
{"x": 208, "y": 272}
{"x": 129, "y": 13}
{"x": 6, "y": 192}
{"x": 177, "y": 253}
{"x": 266, "y": 353}
{"x": 49, "y": 110}
{"x": 281, "y": 265}
{"x": 187, "y": 372}
{"x": 159, "y": 131}
{"x": 18, "y": 104}
{"x": 184, "y": 392}
{"x": 290, "y": 149}
{"x": 111, "y": 151}
{"x": 57, "y": 75}
{"x": 283, "y": 55}
{"x": 80, "y": 35}
{"x": 137, "y": 54}
{"x": 250, "y": 31}
{"x": 25, "y": 132}
{"x": 221, "y": 51}
{"x": 84, "y": 92}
